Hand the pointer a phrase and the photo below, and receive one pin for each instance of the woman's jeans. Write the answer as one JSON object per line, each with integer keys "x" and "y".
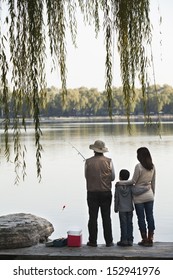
{"x": 102, "y": 201}
{"x": 144, "y": 213}
{"x": 126, "y": 226}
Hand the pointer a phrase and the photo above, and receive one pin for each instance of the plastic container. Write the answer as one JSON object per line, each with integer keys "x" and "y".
{"x": 74, "y": 238}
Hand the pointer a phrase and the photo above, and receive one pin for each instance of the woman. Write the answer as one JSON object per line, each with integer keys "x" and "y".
{"x": 144, "y": 177}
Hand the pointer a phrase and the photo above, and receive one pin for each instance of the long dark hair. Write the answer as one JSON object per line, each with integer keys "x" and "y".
{"x": 145, "y": 158}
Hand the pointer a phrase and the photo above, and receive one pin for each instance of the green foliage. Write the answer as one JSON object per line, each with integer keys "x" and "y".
{"x": 28, "y": 27}
{"x": 90, "y": 102}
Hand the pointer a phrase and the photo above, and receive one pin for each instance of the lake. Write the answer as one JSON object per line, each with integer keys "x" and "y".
{"x": 60, "y": 197}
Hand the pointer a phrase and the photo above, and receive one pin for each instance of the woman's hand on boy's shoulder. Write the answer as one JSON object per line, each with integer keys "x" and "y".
{"x": 120, "y": 183}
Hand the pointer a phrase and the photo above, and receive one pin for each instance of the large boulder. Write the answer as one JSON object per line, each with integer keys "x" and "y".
{"x": 23, "y": 230}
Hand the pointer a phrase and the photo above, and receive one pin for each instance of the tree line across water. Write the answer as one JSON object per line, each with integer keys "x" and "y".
{"x": 91, "y": 102}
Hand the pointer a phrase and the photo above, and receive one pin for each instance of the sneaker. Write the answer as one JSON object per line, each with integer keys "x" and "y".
{"x": 91, "y": 244}
{"x": 123, "y": 243}
{"x": 109, "y": 244}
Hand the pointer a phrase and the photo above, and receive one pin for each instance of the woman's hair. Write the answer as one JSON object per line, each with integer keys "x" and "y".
{"x": 145, "y": 158}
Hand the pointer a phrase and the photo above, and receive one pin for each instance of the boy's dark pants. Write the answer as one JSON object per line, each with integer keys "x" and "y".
{"x": 126, "y": 225}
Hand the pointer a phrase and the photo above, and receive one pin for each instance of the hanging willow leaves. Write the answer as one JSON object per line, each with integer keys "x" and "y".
{"x": 108, "y": 63}
{"x": 134, "y": 34}
{"x": 31, "y": 30}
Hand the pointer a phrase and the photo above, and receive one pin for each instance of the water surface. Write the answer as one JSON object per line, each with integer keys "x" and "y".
{"x": 63, "y": 182}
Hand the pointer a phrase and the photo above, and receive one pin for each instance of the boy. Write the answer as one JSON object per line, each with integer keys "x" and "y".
{"x": 124, "y": 205}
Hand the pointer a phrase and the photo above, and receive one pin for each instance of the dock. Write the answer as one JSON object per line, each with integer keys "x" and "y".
{"x": 159, "y": 251}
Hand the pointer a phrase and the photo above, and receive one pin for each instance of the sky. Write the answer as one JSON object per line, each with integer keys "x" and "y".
{"x": 86, "y": 63}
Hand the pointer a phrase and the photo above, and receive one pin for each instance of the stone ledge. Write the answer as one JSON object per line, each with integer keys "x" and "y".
{"x": 159, "y": 251}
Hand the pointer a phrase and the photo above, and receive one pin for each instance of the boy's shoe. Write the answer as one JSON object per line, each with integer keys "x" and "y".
{"x": 123, "y": 243}
{"x": 109, "y": 244}
{"x": 91, "y": 244}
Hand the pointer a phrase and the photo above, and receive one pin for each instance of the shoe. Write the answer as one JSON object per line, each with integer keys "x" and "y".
{"x": 109, "y": 244}
{"x": 91, "y": 244}
{"x": 130, "y": 243}
{"x": 150, "y": 243}
{"x": 150, "y": 238}
{"x": 144, "y": 243}
{"x": 123, "y": 243}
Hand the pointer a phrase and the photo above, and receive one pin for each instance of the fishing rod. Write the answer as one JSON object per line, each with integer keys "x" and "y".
{"x": 79, "y": 153}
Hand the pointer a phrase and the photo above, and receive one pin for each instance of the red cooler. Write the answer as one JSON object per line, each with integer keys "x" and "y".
{"x": 74, "y": 238}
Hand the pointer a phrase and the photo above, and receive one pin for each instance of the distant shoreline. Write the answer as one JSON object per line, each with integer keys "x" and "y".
{"x": 116, "y": 119}
{"x": 123, "y": 119}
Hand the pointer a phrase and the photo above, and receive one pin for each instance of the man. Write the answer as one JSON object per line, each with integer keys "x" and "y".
{"x": 99, "y": 174}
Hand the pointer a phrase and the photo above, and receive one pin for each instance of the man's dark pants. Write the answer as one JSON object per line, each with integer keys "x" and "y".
{"x": 103, "y": 201}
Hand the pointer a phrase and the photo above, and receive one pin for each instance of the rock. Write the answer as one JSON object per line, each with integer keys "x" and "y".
{"x": 23, "y": 230}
